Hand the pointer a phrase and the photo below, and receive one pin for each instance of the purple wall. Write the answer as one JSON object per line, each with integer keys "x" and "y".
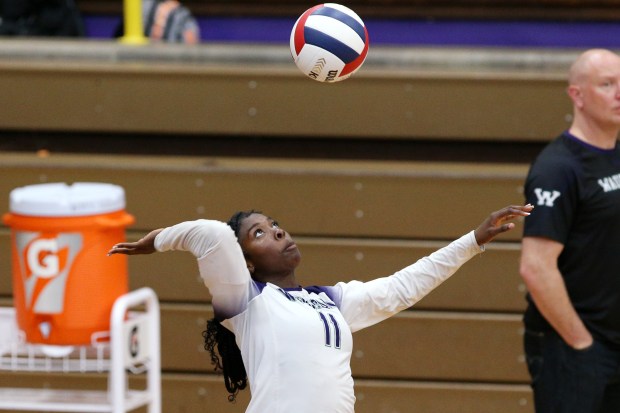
{"x": 406, "y": 32}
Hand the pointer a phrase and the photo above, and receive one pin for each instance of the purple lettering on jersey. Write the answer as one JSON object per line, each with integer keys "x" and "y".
{"x": 331, "y": 292}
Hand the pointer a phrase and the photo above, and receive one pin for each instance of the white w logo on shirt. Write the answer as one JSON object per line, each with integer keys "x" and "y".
{"x": 546, "y": 198}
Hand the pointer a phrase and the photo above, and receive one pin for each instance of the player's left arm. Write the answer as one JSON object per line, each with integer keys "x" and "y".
{"x": 364, "y": 304}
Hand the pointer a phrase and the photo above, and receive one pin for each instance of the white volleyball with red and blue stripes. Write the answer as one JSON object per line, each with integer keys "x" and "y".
{"x": 329, "y": 42}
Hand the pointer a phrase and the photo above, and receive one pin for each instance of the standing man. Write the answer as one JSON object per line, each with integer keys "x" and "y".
{"x": 570, "y": 258}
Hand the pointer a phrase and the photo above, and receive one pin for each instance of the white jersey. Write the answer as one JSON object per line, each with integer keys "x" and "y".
{"x": 296, "y": 343}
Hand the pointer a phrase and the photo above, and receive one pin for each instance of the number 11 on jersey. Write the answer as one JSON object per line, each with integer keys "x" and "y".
{"x": 330, "y": 323}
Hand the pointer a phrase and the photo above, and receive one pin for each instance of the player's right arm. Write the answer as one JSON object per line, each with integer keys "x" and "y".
{"x": 539, "y": 270}
{"x": 220, "y": 259}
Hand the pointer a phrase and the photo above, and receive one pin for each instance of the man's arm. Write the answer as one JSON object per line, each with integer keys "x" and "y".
{"x": 539, "y": 270}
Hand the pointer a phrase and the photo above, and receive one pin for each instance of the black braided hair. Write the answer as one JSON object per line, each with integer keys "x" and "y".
{"x": 227, "y": 357}
{"x": 237, "y": 219}
{"x": 229, "y": 361}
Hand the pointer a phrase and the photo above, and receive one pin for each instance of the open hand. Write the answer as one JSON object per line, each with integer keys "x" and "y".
{"x": 145, "y": 245}
{"x": 497, "y": 222}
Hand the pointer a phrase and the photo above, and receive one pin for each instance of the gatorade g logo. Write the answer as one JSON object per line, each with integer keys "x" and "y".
{"x": 45, "y": 264}
{"x": 42, "y": 258}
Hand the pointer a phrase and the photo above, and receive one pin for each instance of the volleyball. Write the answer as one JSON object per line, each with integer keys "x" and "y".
{"x": 329, "y": 42}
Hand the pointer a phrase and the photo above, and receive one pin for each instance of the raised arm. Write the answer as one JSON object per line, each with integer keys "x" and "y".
{"x": 364, "y": 304}
{"x": 220, "y": 260}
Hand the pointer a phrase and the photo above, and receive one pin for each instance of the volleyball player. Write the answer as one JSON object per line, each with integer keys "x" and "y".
{"x": 295, "y": 342}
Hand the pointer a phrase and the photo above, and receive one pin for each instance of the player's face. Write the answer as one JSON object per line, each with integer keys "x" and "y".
{"x": 269, "y": 249}
{"x": 601, "y": 91}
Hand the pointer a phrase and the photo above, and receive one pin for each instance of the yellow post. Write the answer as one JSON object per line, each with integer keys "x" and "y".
{"x": 132, "y": 18}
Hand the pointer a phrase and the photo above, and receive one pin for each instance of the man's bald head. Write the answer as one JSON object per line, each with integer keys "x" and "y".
{"x": 594, "y": 88}
{"x": 587, "y": 62}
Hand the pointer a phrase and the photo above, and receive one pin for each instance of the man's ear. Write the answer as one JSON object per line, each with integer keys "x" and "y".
{"x": 574, "y": 92}
{"x": 250, "y": 267}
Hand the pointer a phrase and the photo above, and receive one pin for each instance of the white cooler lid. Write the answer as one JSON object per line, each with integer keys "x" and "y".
{"x": 64, "y": 200}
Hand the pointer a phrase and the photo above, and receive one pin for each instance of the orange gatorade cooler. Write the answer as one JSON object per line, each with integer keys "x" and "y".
{"x": 64, "y": 284}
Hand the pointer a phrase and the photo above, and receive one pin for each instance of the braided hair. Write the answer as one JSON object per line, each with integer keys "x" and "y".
{"x": 229, "y": 361}
{"x": 227, "y": 357}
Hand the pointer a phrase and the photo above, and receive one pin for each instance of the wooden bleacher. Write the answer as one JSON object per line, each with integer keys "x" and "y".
{"x": 459, "y": 349}
{"x": 238, "y": 90}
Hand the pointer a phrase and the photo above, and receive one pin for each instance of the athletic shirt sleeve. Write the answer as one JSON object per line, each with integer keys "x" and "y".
{"x": 220, "y": 261}
{"x": 552, "y": 186}
{"x": 364, "y": 304}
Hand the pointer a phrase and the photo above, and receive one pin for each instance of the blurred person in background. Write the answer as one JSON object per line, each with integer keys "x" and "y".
{"x": 570, "y": 258}
{"x": 166, "y": 21}
{"x": 40, "y": 18}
